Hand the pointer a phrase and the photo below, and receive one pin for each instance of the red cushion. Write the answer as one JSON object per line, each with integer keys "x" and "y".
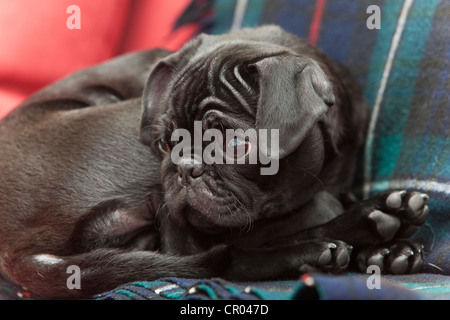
{"x": 38, "y": 48}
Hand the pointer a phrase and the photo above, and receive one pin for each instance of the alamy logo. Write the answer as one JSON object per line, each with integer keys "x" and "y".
{"x": 237, "y": 147}
{"x": 374, "y": 20}
{"x": 74, "y": 20}
{"x": 74, "y": 280}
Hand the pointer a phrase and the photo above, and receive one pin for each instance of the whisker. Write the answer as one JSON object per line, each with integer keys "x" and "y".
{"x": 160, "y": 209}
{"x": 249, "y": 225}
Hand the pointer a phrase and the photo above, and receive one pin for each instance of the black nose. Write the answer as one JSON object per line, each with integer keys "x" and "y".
{"x": 189, "y": 169}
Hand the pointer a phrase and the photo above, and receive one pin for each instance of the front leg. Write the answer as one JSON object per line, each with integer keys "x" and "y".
{"x": 287, "y": 261}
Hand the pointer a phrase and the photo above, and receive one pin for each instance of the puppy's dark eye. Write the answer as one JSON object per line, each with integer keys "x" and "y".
{"x": 238, "y": 148}
{"x": 163, "y": 145}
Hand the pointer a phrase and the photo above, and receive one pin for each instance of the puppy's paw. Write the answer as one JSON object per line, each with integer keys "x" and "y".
{"x": 398, "y": 213}
{"x": 333, "y": 256}
{"x": 399, "y": 257}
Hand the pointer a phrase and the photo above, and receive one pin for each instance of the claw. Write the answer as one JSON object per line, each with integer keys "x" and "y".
{"x": 408, "y": 252}
{"x": 420, "y": 249}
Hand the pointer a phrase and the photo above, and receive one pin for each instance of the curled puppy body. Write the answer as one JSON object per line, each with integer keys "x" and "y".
{"x": 87, "y": 179}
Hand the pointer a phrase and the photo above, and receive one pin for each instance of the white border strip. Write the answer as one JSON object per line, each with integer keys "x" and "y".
{"x": 425, "y": 185}
{"x": 380, "y": 94}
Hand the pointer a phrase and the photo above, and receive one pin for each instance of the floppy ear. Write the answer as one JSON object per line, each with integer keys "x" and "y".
{"x": 153, "y": 97}
{"x": 294, "y": 94}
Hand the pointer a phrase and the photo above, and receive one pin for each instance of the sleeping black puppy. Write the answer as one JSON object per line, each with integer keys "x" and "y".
{"x": 92, "y": 173}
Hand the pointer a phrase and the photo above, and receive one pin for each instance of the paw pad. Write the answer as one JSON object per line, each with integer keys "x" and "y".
{"x": 326, "y": 256}
{"x": 418, "y": 202}
{"x": 394, "y": 200}
{"x": 335, "y": 256}
{"x": 387, "y": 225}
{"x": 399, "y": 213}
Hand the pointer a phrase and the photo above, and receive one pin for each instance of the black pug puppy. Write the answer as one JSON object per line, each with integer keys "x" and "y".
{"x": 89, "y": 179}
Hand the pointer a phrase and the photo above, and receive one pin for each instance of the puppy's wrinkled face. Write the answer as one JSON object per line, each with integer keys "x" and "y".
{"x": 220, "y": 94}
{"x": 210, "y": 88}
